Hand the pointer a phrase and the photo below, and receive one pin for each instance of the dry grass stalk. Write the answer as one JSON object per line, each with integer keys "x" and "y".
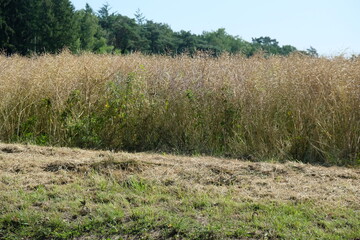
{"x": 283, "y": 108}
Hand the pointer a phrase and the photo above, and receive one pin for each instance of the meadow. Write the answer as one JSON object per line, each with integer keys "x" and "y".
{"x": 144, "y": 133}
{"x": 69, "y": 193}
{"x": 277, "y": 108}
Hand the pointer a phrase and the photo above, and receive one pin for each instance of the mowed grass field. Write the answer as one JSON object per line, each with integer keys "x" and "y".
{"x": 68, "y": 193}
{"x": 179, "y": 148}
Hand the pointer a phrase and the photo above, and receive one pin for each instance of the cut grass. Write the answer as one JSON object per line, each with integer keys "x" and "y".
{"x": 58, "y": 193}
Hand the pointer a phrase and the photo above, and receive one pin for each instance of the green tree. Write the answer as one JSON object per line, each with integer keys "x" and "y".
{"x": 268, "y": 45}
{"x": 54, "y": 25}
{"x": 220, "y": 41}
{"x": 271, "y": 46}
{"x": 161, "y": 38}
{"x": 106, "y": 21}
{"x": 186, "y": 42}
{"x": 105, "y": 18}
{"x": 37, "y": 26}
{"x": 312, "y": 52}
{"x": 88, "y": 27}
{"x": 16, "y": 25}
{"x": 6, "y": 30}
{"x": 64, "y": 31}
{"x": 287, "y": 49}
{"x": 126, "y": 34}
{"x": 91, "y": 36}
{"x": 122, "y": 32}
{"x": 139, "y": 16}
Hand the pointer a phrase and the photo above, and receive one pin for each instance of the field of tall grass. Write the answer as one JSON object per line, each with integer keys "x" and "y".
{"x": 277, "y": 108}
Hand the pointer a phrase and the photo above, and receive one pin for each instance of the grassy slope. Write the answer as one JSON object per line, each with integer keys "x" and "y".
{"x": 62, "y": 193}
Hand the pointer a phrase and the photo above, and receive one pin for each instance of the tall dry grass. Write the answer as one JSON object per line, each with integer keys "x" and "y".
{"x": 294, "y": 107}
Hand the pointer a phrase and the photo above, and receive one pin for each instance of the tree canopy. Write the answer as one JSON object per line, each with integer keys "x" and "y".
{"x": 38, "y": 26}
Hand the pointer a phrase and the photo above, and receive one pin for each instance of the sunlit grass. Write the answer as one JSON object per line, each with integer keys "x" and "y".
{"x": 103, "y": 208}
{"x": 295, "y": 107}
{"x": 67, "y": 193}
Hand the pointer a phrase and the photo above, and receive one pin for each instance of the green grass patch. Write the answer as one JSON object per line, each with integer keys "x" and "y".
{"x": 99, "y": 206}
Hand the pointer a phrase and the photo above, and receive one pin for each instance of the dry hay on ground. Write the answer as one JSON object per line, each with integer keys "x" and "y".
{"x": 26, "y": 166}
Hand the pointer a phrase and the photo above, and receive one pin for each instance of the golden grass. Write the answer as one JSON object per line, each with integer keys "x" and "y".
{"x": 295, "y": 107}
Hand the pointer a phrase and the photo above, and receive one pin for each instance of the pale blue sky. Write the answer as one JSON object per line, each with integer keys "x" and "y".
{"x": 330, "y": 26}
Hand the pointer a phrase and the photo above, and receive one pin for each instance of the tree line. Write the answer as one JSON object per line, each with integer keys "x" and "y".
{"x": 48, "y": 26}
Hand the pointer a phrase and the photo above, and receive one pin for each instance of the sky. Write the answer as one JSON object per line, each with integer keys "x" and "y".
{"x": 332, "y": 27}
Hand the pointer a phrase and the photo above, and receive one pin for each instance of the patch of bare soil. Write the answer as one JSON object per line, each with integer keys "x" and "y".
{"x": 291, "y": 181}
